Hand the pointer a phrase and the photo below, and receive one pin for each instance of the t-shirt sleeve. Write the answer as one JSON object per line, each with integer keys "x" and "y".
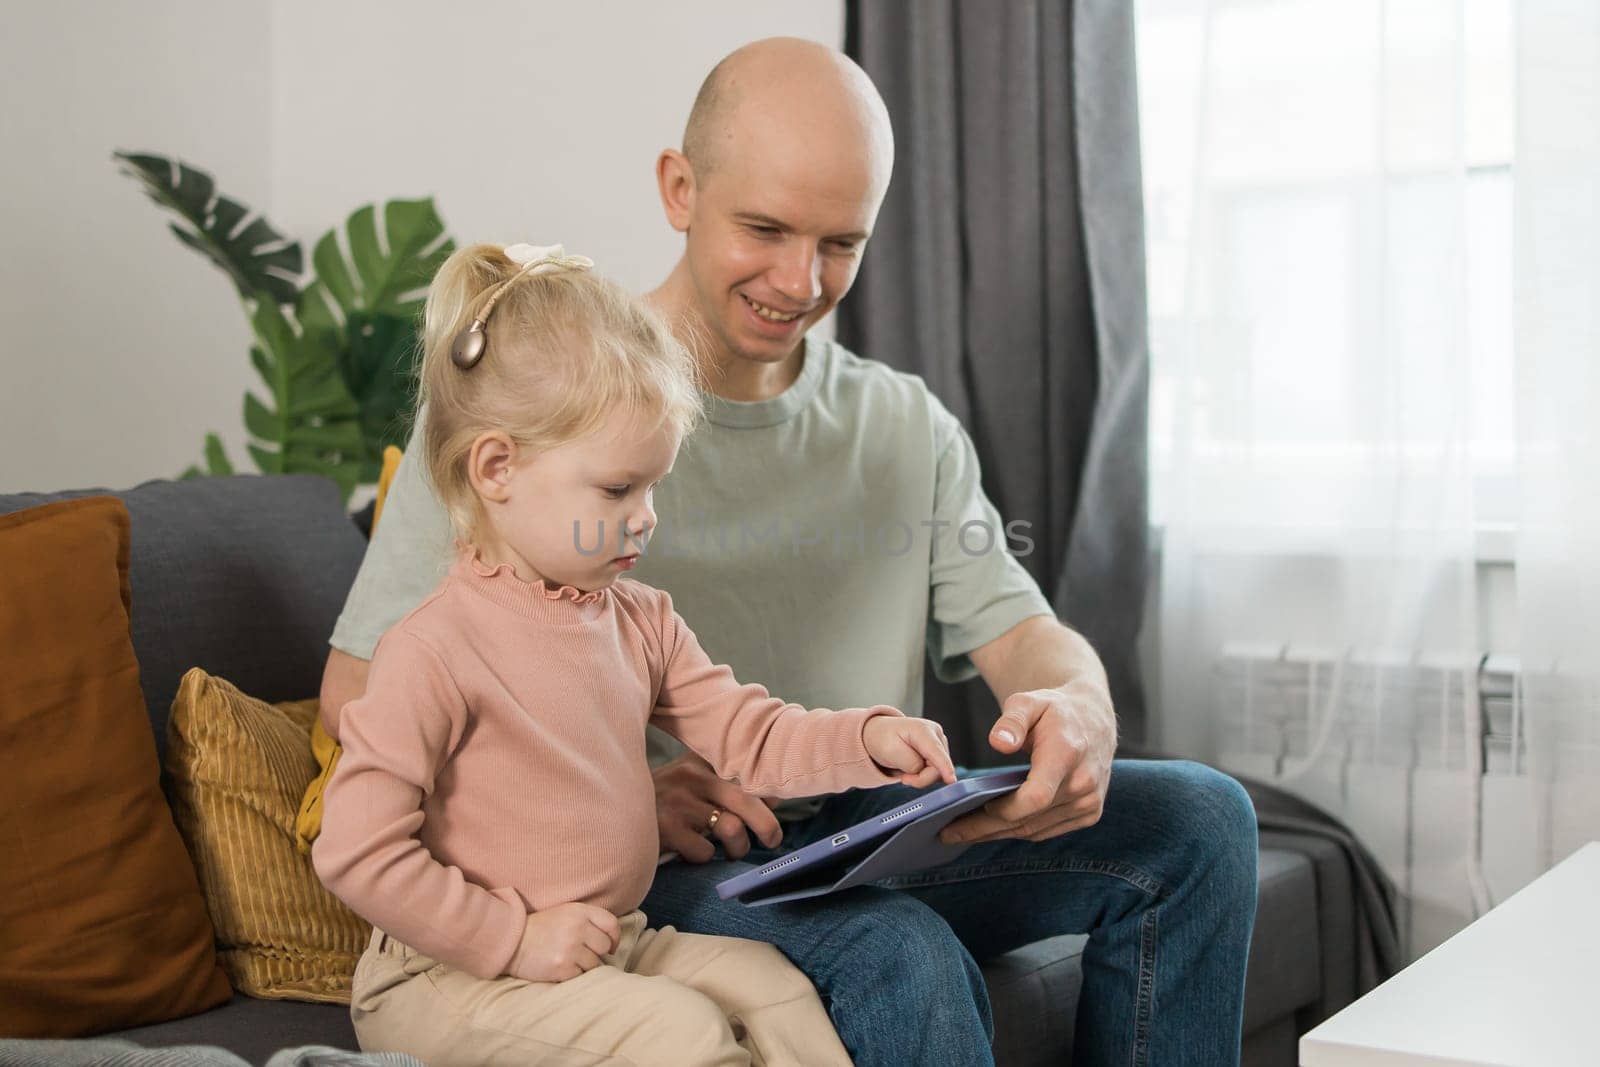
{"x": 410, "y": 551}
{"x": 396, "y": 738}
{"x": 978, "y": 589}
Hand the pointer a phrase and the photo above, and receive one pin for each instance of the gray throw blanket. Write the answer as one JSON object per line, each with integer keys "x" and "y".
{"x": 116, "y": 1052}
{"x": 1377, "y": 932}
{"x": 1344, "y": 871}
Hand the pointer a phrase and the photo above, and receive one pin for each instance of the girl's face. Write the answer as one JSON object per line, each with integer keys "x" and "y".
{"x": 579, "y": 514}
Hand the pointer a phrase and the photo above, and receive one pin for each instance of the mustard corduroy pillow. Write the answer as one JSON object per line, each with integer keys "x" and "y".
{"x": 239, "y": 767}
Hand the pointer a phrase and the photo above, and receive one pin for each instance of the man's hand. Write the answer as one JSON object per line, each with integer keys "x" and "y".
{"x": 688, "y": 791}
{"x": 1070, "y": 750}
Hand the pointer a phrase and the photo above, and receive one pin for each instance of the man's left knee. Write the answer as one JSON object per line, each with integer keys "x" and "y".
{"x": 1216, "y": 817}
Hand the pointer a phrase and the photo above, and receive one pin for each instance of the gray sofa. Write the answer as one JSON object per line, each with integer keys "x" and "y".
{"x": 245, "y": 575}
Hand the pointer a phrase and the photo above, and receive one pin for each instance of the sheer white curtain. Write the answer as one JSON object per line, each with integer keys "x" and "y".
{"x": 1374, "y": 261}
{"x": 1325, "y": 409}
{"x": 1558, "y": 415}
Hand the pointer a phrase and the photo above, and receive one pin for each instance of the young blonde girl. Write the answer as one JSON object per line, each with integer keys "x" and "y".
{"x": 493, "y": 814}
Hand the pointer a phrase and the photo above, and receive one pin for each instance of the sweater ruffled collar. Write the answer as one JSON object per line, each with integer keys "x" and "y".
{"x": 538, "y": 598}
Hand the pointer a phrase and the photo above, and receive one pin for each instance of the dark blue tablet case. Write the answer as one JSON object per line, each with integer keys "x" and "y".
{"x": 873, "y": 848}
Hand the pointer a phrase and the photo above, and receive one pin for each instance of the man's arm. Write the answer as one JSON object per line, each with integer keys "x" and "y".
{"x": 1056, "y": 704}
{"x": 409, "y": 552}
{"x": 987, "y": 616}
{"x": 343, "y": 680}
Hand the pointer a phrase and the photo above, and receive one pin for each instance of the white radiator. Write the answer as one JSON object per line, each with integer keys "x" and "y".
{"x": 1426, "y": 757}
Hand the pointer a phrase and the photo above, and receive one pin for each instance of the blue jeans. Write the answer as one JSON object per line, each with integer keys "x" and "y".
{"x": 1164, "y": 885}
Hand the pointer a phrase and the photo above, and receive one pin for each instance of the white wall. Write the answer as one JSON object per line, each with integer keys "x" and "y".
{"x": 525, "y": 121}
{"x": 119, "y": 347}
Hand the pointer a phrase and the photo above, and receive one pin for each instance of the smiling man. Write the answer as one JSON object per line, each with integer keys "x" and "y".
{"x": 827, "y": 535}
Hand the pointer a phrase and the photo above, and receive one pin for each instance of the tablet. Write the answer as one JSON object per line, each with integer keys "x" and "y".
{"x": 898, "y": 841}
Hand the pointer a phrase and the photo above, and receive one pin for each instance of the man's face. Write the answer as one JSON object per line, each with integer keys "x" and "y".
{"x": 776, "y": 236}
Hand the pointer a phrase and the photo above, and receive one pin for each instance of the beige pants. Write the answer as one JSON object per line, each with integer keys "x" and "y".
{"x": 663, "y": 997}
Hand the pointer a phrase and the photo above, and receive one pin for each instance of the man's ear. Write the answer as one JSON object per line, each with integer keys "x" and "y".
{"x": 490, "y": 464}
{"x": 675, "y": 181}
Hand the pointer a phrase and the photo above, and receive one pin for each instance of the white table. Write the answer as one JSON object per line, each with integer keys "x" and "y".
{"x": 1519, "y": 986}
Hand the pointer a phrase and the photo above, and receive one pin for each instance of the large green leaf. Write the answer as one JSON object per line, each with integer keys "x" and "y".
{"x": 312, "y": 423}
{"x": 377, "y": 363}
{"x": 371, "y": 299}
{"x": 217, "y": 462}
{"x": 261, "y": 261}
{"x": 388, "y": 277}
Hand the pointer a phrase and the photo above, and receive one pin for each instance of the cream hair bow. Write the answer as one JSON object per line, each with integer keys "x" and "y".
{"x": 536, "y": 259}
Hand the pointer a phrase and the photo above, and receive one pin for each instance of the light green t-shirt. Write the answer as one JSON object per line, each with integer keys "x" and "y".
{"x": 821, "y": 543}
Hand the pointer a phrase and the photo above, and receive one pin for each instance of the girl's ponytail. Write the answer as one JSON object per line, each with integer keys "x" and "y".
{"x": 462, "y": 283}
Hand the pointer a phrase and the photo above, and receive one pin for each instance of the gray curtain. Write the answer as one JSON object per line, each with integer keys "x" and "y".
{"x": 1007, "y": 269}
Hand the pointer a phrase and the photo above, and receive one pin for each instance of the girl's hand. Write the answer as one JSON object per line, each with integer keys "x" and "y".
{"x": 563, "y": 942}
{"x": 916, "y": 747}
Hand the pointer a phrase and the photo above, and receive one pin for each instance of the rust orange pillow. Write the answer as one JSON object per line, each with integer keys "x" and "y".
{"x": 102, "y": 925}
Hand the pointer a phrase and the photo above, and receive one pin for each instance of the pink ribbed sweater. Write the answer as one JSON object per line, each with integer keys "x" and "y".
{"x": 496, "y": 763}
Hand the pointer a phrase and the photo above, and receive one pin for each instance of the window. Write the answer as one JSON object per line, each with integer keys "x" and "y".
{"x": 1333, "y": 135}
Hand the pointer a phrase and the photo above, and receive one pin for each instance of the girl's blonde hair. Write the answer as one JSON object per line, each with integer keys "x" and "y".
{"x": 565, "y": 349}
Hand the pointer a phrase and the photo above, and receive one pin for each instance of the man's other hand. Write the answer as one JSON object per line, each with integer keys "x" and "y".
{"x": 1070, "y": 753}
{"x": 688, "y": 791}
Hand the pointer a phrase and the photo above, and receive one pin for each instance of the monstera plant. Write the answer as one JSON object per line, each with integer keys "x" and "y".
{"x": 334, "y": 351}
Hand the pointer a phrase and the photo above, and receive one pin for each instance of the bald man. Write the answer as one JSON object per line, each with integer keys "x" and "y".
{"x": 824, "y": 532}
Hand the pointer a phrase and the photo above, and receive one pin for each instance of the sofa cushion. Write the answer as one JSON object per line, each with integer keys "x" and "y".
{"x": 101, "y": 919}
{"x": 238, "y": 767}
{"x": 255, "y": 1029}
{"x": 1285, "y": 968}
{"x": 1033, "y": 993}
{"x": 242, "y": 575}
{"x": 1331, "y": 955}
